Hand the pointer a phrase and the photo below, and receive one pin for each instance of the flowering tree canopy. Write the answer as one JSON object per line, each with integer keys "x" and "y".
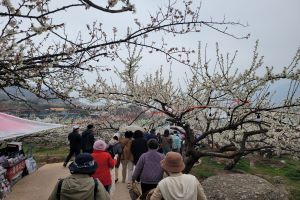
{"x": 234, "y": 109}
{"x": 39, "y": 54}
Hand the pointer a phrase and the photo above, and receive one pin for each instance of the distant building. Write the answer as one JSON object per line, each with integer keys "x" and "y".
{"x": 57, "y": 109}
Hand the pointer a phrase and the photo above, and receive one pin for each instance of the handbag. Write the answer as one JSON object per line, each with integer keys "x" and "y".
{"x": 134, "y": 191}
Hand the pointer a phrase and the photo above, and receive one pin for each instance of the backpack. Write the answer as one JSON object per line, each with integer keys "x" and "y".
{"x": 60, "y": 184}
{"x": 114, "y": 149}
{"x": 110, "y": 150}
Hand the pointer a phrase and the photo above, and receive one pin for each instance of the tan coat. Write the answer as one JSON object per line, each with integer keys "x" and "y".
{"x": 126, "y": 145}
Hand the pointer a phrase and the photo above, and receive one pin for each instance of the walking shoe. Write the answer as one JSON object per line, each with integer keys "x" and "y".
{"x": 65, "y": 164}
{"x": 116, "y": 180}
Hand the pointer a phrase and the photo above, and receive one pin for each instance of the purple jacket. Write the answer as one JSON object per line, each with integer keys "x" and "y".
{"x": 148, "y": 167}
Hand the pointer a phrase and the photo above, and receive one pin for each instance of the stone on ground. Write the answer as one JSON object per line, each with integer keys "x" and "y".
{"x": 242, "y": 187}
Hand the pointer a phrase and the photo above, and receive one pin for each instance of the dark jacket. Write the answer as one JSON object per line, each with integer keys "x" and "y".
{"x": 75, "y": 140}
{"x": 138, "y": 147}
{"x": 87, "y": 141}
{"x": 151, "y": 136}
{"x": 114, "y": 148}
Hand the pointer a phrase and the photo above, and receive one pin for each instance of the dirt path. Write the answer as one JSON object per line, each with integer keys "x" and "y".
{"x": 39, "y": 185}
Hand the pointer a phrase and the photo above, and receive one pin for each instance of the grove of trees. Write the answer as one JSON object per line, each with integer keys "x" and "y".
{"x": 234, "y": 110}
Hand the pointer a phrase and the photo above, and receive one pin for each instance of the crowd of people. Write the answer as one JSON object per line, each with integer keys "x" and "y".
{"x": 148, "y": 158}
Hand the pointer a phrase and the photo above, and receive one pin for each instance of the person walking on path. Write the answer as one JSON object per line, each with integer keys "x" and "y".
{"x": 145, "y": 134}
{"x": 138, "y": 146}
{"x": 151, "y": 135}
{"x": 176, "y": 142}
{"x": 160, "y": 150}
{"x": 88, "y": 139}
{"x": 114, "y": 147}
{"x": 105, "y": 162}
{"x": 148, "y": 168}
{"x": 115, "y": 150}
{"x": 127, "y": 157}
{"x": 75, "y": 144}
{"x": 177, "y": 186}
{"x": 80, "y": 185}
{"x": 166, "y": 142}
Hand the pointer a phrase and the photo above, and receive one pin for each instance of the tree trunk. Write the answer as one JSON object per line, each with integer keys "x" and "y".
{"x": 189, "y": 163}
{"x": 233, "y": 163}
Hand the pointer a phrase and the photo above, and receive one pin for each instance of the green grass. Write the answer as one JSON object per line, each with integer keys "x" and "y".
{"x": 45, "y": 149}
{"x": 289, "y": 172}
{"x": 207, "y": 168}
{"x": 42, "y": 153}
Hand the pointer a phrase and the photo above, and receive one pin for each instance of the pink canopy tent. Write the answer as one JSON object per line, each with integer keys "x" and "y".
{"x": 11, "y": 126}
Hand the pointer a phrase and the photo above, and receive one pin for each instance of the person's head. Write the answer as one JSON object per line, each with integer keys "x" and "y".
{"x": 115, "y": 137}
{"x": 152, "y": 144}
{"x": 128, "y": 134}
{"x": 90, "y": 126}
{"x": 138, "y": 134}
{"x": 166, "y": 133}
{"x": 152, "y": 131}
{"x": 173, "y": 162}
{"x": 100, "y": 145}
{"x": 83, "y": 164}
{"x": 76, "y": 128}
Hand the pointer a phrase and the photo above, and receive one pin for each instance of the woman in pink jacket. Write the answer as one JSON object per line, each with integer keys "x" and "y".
{"x": 105, "y": 162}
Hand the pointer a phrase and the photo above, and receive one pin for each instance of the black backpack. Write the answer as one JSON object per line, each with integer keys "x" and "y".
{"x": 110, "y": 150}
{"x": 60, "y": 184}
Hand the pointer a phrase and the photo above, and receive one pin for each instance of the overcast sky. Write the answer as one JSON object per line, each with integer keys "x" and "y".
{"x": 275, "y": 23}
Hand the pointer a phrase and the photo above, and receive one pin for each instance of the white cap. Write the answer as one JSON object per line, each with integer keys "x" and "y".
{"x": 76, "y": 127}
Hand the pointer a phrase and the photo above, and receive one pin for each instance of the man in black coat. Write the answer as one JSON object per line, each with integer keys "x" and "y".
{"x": 138, "y": 146}
{"x": 75, "y": 144}
{"x": 88, "y": 139}
{"x": 151, "y": 135}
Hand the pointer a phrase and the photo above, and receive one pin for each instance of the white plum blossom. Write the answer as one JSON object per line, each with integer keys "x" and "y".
{"x": 230, "y": 107}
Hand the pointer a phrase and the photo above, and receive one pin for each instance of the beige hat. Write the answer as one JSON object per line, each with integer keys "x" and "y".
{"x": 173, "y": 162}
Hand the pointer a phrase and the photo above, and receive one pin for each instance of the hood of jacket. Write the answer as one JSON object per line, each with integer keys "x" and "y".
{"x": 78, "y": 186}
{"x": 113, "y": 142}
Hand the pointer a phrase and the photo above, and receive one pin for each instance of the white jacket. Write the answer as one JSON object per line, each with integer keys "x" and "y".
{"x": 179, "y": 187}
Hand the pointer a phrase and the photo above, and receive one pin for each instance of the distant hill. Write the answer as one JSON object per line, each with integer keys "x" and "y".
{"x": 22, "y": 93}
{"x": 29, "y": 97}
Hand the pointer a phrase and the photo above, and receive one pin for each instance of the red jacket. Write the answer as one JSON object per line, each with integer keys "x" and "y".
{"x": 105, "y": 162}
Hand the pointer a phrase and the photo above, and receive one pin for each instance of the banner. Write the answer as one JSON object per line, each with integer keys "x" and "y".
{"x": 11, "y": 126}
